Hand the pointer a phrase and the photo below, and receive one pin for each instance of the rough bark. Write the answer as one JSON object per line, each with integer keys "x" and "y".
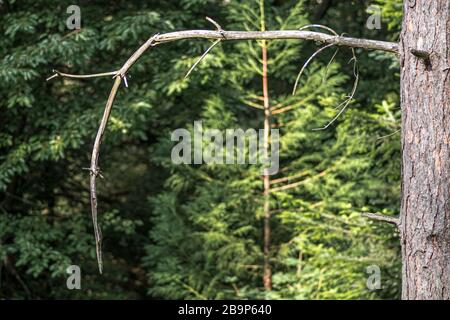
{"x": 425, "y": 208}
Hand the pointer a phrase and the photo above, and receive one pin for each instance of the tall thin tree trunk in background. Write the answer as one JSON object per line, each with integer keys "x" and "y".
{"x": 267, "y": 276}
{"x": 425, "y": 92}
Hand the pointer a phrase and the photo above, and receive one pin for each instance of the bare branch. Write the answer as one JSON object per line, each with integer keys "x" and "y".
{"x": 382, "y": 217}
{"x": 278, "y": 35}
{"x": 82, "y": 76}
{"x": 95, "y": 170}
{"x": 132, "y": 60}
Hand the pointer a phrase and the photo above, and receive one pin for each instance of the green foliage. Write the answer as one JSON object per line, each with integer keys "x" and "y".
{"x": 208, "y": 222}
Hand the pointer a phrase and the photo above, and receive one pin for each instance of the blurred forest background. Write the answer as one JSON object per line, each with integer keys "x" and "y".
{"x": 195, "y": 232}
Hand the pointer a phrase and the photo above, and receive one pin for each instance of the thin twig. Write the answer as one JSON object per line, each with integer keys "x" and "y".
{"x": 355, "y": 72}
{"x": 352, "y": 94}
{"x": 307, "y": 63}
{"x": 80, "y": 76}
{"x": 316, "y": 53}
{"x": 320, "y": 26}
{"x": 325, "y": 74}
{"x": 219, "y": 28}
{"x": 201, "y": 58}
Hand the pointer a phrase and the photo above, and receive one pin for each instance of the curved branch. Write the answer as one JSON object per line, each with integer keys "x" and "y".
{"x": 95, "y": 170}
{"x": 350, "y": 97}
{"x": 306, "y": 64}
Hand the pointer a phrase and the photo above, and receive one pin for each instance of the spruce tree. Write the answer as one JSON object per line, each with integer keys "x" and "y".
{"x": 209, "y": 223}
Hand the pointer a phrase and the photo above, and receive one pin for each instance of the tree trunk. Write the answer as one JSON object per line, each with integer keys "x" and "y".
{"x": 267, "y": 279}
{"x": 425, "y": 208}
{"x": 267, "y": 272}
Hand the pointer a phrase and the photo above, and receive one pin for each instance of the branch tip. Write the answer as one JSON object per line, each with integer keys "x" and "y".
{"x": 219, "y": 28}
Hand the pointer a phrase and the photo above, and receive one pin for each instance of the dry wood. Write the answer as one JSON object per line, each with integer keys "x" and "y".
{"x": 382, "y": 217}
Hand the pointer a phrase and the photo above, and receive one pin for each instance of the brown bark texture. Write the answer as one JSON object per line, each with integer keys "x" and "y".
{"x": 425, "y": 208}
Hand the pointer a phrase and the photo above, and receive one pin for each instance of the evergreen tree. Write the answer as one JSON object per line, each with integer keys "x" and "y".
{"x": 320, "y": 245}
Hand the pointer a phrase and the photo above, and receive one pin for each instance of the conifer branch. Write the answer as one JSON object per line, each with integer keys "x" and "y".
{"x": 253, "y": 105}
{"x": 299, "y": 183}
{"x": 289, "y": 178}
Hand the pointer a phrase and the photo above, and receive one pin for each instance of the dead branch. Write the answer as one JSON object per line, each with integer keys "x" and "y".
{"x": 279, "y": 35}
{"x": 218, "y": 35}
{"x": 382, "y": 217}
{"x": 95, "y": 171}
{"x": 78, "y": 76}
